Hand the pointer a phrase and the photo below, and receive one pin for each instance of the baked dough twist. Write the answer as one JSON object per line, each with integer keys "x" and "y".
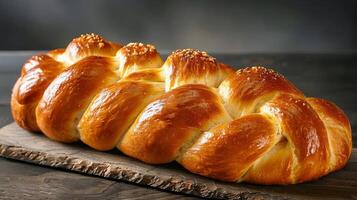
{"x": 252, "y": 125}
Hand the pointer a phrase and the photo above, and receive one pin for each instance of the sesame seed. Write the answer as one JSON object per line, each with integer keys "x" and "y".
{"x": 263, "y": 72}
{"x": 135, "y": 49}
{"x": 90, "y": 38}
{"x": 193, "y": 54}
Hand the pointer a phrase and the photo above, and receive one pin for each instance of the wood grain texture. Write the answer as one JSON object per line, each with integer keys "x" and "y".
{"x": 19, "y": 180}
{"x": 19, "y": 144}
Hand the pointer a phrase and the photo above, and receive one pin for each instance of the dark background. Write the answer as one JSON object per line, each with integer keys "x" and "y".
{"x": 215, "y": 26}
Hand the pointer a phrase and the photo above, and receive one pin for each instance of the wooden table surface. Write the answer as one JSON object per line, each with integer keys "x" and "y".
{"x": 327, "y": 76}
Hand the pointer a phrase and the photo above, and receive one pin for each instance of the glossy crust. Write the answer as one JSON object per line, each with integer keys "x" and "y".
{"x": 252, "y": 125}
{"x": 192, "y": 66}
{"x": 175, "y": 118}
{"x": 89, "y": 45}
{"x": 275, "y": 167}
{"x": 36, "y": 74}
{"x": 123, "y": 101}
{"x": 303, "y": 129}
{"x": 136, "y": 56}
{"x": 249, "y": 88}
{"x": 155, "y": 75}
{"x": 227, "y": 151}
{"x": 69, "y": 94}
{"x": 338, "y": 129}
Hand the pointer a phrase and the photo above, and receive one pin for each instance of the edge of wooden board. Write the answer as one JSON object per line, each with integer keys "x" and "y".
{"x": 82, "y": 159}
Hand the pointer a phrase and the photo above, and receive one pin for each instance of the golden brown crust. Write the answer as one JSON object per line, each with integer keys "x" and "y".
{"x": 305, "y": 131}
{"x": 24, "y": 115}
{"x": 338, "y": 129}
{"x": 331, "y": 110}
{"x": 173, "y": 119}
{"x": 56, "y": 53}
{"x": 249, "y": 88}
{"x": 275, "y": 167}
{"x": 192, "y": 66}
{"x": 251, "y": 82}
{"x": 36, "y": 74}
{"x": 154, "y": 75}
{"x": 69, "y": 94}
{"x": 227, "y": 151}
{"x": 255, "y": 127}
{"x": 137, "y": 56}
{"x": 124, "y": 101}
{"x": 89, "y": 45}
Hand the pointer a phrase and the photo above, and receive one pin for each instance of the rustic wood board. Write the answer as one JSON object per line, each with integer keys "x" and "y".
{"x": 16, "y": 143}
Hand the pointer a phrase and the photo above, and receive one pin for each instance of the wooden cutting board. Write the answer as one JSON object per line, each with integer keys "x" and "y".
{"x": 16, "y": 143}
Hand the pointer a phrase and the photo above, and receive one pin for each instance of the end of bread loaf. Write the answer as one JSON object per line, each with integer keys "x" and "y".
{"x": 67, "y": 97}
{"x": 338, "y": 130}
{"x": 307, "y": 139}
{"x": 36, "y": 74}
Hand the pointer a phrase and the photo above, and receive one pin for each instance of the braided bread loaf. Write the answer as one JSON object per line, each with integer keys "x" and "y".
{"x": 252, "y": 125}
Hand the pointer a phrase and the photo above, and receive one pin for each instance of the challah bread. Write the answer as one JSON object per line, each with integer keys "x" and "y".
{"x": 252, "y": 125}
